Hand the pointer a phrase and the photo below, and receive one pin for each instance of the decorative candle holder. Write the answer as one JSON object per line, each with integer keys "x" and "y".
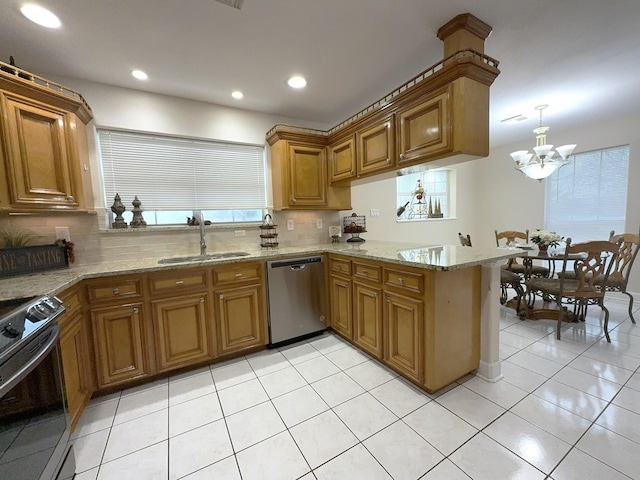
{"x": 118, "y": 208}
{"x": 137, "y": 221}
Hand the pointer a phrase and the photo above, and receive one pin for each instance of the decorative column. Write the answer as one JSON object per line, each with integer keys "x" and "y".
{"x": 118, "y": 208}
{"x": 490, "y": 368}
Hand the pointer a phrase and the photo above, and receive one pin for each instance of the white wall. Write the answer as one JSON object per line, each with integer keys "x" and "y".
{"x": 380, "y": 193}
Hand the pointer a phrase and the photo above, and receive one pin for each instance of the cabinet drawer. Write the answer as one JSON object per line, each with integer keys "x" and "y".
{"x": 367, "y": 272}
{"x": 242, "y": 272}
{"x": 117, "y": 289}
{"x": 408, "y": 281}
{"x": 340, "y": 265}
{"x": 175, "y": 282}
{"x": 71, "y": 299}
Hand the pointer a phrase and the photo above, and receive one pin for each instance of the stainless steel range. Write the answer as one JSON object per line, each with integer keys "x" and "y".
{"x": 34, "y": 430}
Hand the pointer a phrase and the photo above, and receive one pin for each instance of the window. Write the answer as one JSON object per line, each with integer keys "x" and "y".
{"x": 424, "y": 195}
{"x": 587, "y": 198}
{"x": 174, "y": 176}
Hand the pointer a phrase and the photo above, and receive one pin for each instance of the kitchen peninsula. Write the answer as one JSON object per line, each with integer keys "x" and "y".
{"x": 451, "y": 328}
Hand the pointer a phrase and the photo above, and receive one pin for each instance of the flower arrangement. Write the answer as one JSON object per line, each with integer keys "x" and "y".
{"x": 546, "y": 238}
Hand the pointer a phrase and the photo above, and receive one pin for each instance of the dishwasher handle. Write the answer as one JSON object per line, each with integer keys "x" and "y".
{"x": 295, "y": 263}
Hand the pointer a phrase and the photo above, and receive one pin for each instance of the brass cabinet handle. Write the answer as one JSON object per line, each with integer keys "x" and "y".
{"x": 179, "y": 282}
{"x": 364, "y": 272}
{"x": 402, "y": 156}
{"x": 400, "y": 280}
{"x": 201, "y": 299}
{"x": 388, "y": 299}
{"x": 135, "y": 309}
{"x": 293, "y": 200}
{"x": 375, "y": 295}
{"x": 116, "y": 291}
{"x": 238, "y": 275}
{"x": 388, "y": 160}
{"x": 221, "y": 296}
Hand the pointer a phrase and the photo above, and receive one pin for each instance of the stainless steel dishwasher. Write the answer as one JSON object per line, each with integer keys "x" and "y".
{"x": 297, "y": 302}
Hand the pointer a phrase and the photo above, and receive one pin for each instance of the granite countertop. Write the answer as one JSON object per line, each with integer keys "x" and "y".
{"x": 433, "y": 257}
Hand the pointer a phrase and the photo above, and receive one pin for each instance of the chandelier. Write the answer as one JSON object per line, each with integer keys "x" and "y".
{"x": 542, "y": 163}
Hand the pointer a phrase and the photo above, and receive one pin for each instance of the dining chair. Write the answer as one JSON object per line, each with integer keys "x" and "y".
{"x": 465, "y": 241}
{"x": 507, "y": 277}
{"x": 621, "y": 270}
{"x": 619, "y": 276}
{"x": 596, "y": 259}
{"x": 509, "y": 238}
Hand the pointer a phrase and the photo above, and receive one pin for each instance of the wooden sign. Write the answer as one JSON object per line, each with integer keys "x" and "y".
{"x": 19, "y": 261}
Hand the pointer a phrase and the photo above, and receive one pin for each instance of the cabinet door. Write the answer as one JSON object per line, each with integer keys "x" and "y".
{"x": 39, "y": 151}
{"x": 403, "y": 335}
{"x": 367, "y": 315}
{"x": 341, "y": 316}
{"x": 424, "y": 130}
{"x": 376, "y": 147}
{"x": 75, "y": 359}
{"x": 181, "y": 330}
{"x": 307, "y": 176}
{"x": 119, "y": 346}
{"x": 240, "y": 318}
{"x": 342, "y": 160}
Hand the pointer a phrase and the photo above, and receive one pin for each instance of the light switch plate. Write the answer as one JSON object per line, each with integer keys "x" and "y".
{"x": 319, "y": 223}
{"x": 240, "y": 233}
{"x": 289, "y": 224}
{"x": 62, "y": 233}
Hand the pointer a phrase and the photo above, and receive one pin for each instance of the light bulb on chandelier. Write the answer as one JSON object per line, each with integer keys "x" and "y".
{"x": 542, "y": 163}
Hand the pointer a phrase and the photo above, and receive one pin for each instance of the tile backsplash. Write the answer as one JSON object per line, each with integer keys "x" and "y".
{"x": 94, "y": 244}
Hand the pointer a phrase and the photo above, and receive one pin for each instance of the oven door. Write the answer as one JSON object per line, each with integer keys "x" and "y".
{"x": 34, "y": 431}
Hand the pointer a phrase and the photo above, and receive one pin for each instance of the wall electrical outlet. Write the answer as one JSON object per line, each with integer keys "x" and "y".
{"x": 375, "y": 212}
{"x": 62, "y": 233}
{"x": 319, "y": 223}
{"x": 289, "y": 224}
{"x": 240, "y": 233}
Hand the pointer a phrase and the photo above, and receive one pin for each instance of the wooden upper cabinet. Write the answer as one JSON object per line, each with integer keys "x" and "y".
{"x": 44, "y": 155}
{"x": 342, "y": 160}
{"x": 307, "y": 176}
{"x": 376, "y": 147}
{"x": 424, "y": 129}
{"x": 40, "y": 149}
{"x": 300, "y": 176}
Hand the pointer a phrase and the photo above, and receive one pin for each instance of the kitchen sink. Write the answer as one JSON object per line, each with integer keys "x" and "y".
{"x": 203, "y": 258}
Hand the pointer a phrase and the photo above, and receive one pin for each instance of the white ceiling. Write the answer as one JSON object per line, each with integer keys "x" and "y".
{"x": 579, "y": 56}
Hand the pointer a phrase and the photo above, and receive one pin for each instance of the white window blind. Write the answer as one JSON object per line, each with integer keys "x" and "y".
{"x": 587, "y": 198}
{"x": 171, "y": 173}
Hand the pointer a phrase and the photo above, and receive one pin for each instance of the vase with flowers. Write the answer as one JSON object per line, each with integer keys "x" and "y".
{"x": 545, "y": 239}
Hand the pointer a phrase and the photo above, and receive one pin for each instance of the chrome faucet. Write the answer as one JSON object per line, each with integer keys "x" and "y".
{"x": 203, "y": 245}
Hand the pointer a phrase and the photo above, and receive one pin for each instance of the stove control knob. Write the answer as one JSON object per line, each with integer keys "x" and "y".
{"x": 11, "y": 330}
{"x": 37, "y": 313}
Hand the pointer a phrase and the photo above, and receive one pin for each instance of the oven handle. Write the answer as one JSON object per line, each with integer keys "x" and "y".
{"x": 39, "y": 354}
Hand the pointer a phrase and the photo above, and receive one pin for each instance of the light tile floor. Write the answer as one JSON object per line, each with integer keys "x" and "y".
{"x": 321, "y": 409}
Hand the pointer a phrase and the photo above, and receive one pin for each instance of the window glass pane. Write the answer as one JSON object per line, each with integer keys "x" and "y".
{"x": 587, "y": 198}
{"x": 425, "y": 194}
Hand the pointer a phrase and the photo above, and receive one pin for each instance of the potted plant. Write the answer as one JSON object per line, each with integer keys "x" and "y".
{"x": 545, "y": 239}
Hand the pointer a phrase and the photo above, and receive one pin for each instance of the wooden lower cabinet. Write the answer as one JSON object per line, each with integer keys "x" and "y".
{"x": 424, "y": 324}
{"x": 75, "y": 365}
{"x": 241, "y": 319}
{"x": 367, "y": 318}
{"x": 118, "y": 335}
{"x": 403, "y": 333}
{"x": 182, "y": 331}
{"x": 340, "y": 290}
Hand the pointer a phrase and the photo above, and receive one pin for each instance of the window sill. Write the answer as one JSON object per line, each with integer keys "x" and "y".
{"x": 415, "y": 220}
{"x": 177, "y": 228}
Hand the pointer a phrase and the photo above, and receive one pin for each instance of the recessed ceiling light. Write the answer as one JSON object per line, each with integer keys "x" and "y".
{"x": 139, "y": 74}
{"x": 237, "y": 94}
{"x": 297, "y": 82}
{"x": 41, "y": 16}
